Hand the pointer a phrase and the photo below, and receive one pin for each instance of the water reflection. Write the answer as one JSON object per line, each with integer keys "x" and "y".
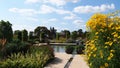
{"x": 58, "y": 48}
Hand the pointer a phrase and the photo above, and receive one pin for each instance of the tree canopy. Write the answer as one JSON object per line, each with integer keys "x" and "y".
{"x": 6, "y": 31}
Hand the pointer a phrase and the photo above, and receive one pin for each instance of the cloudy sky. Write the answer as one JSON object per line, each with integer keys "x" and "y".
{"x": 61, "y": 14}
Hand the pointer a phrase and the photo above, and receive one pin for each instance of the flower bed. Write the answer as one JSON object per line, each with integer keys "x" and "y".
{"x": 103, "y": 46}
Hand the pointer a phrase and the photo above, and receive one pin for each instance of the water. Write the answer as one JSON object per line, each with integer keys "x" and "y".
{"x": 59, "y": 48}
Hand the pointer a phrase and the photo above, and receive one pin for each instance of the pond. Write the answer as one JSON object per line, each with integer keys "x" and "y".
{"x": 58, "y": 48}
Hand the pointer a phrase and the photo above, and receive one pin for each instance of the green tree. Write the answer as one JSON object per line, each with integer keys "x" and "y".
{"x": 24, "y": 35}
{"x": 31, "y": 35}
{"x": 52, "y": 33}
{"x": 57, "y": 36}
{"x": 41, "y": 32}
{"x": 6, "y": 31}
{"x": 80, "y": 33}
{"x": 18, "y": 35}
{"x": 74, "y": 35}
{"x": 65, "y": 34}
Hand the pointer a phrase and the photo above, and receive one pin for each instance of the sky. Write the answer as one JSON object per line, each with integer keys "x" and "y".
{"x": 60, "y": 14}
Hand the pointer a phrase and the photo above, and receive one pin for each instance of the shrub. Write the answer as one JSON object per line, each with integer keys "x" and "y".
{"x": 70, "y": 41}
{"x": 15, "y": 47}
{"x": 80, "y": 49}
{"x": 69, "y": 49}
{"x": 103, "y": 49}
{"x": 36, "y": 57}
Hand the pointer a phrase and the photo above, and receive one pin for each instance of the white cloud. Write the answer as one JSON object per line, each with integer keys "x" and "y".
{"x": 31, "y": 1}
{"x": 64, "y": 23}
{"x": 80, "y": 24}
{"x": 78, "y": 21}
{"x": 27, "y": 12}
{"x": 73, "y": 1}
{"x": 53, "y": 20}
{"x": 61, "y": 11}
{"x": 32, "y": 19}
{"x": 71, "y": 17}
{"x": 45, "y": 9}
{"x": 56, "y": 2}
{"x": 88, "y": 8}
{"x": 53, "y": 2}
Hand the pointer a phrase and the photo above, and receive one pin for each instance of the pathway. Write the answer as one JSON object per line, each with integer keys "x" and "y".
{"x": 78, "y": 62}
{"x": 62, "y": 58}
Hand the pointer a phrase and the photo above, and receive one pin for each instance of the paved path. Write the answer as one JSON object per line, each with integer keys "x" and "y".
{"x": 62, "y": 58}
{"x": 78, "y": 62}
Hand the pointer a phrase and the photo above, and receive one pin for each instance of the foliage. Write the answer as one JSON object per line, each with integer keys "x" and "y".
{"x": 61, "y": 40}
{"x": 70, "y": 41}
{"x": 37, "y": 57}
{"x": 18, "y": 35}
{"x": 80, "y": 49}
{"x": 52, "y": 33}
{"x": 103, "y": 49}
{"x": 69, "y": 49}
{"x": 6, "y": 30}
{"x": 14, "y": 47}
{"x": 24, "y": 35}
{"x": 41, "y": 32}
{"x": 31, "y": 35}
{"x": 74, "y": 35}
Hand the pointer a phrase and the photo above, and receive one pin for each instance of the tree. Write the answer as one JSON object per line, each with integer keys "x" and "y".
{"x": 24, "y": 35}
{"x": 41, "y": 32}
{"x": 80, "y": 33}
{"x": 74, "y": 35}
{"x": 65, "y": 34}
{"x": 52, "y": 33}
{"x": 6, "y": 31}
{"x": 31, "y": 35}
{"x": 18, "y": 35}
{"x": 57, "y": 36}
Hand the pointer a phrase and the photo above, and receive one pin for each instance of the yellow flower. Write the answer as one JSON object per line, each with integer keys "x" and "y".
{"x": 101, "y": 30}
{"x": 90, "y": 64}
{"x": 94, "y": 55}
{"x": 119, "y": 37}
{"x": 112, "y": 50}
{"x": 115, "y": 40}
{"x": 95, "y": 49}
{"x": 110, "y": 25}
{"x": 109, "y": 58}
{"x": 106, "y": 64}
{"x": 111, "y": 55}
{"x": 96, "y": 33}
{"x": 113, "y": 33}
{"x": 116, "y": 35}
{"x": 106, "y": 42}
{"x": 110, "y": 43}
{"x": 106, "y": 47}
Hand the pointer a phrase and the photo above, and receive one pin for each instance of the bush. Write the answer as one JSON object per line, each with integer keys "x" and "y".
{"x": 80, "y": 49}
{"x": 15, "y": 47}
{"x": 103, "y": 46}
{"x": 70, "y": 41}
{"x": 69, "y": 49}
{"x": 36, "y": 57}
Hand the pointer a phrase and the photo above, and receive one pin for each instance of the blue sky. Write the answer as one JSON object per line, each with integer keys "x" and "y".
{"x": 61, "y": 14}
